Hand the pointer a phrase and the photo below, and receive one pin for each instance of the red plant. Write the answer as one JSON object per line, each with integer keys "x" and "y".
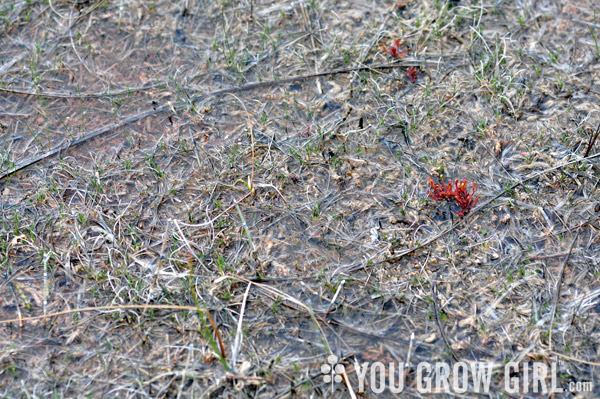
{"x": 305, "y": 133}
{"x": 459, "y": 193}
{"x": 411, "y": 72}
{"x": 440, "y": 191}
{"x": 394, "y": 51}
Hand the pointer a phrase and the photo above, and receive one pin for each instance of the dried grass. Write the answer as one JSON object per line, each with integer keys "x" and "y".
{"x": 209, "y": 199}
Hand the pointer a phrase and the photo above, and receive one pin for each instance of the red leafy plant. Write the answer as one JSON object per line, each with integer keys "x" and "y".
{"x": 305, "y": 133}
{"x": 394, "y": 51}
{"x": 401, "y": 5}
{"x": 465, "y": 200}
{"x": 411, "y": 73}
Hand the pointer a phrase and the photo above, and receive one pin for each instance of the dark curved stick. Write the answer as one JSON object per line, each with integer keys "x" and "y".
{"x": 162, "y": 108}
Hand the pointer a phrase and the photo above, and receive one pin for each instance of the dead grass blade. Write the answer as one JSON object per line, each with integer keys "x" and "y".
{"x": 592, "y": 141}
{"x": 104, "y": 308}
{"x": 558, "y": 288}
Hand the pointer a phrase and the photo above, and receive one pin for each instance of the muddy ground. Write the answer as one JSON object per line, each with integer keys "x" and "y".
{"x": 211, "y": 199}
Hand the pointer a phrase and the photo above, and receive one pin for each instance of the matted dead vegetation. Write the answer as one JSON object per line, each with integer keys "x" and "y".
{"x": 207, "y": 199}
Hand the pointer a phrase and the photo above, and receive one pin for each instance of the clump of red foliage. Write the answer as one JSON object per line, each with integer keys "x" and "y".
{"x": 394, "y": 51}
{"x": 411, "y": 73}
{"x": 305, "y": 133}
{"x": 459, "y": 193}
